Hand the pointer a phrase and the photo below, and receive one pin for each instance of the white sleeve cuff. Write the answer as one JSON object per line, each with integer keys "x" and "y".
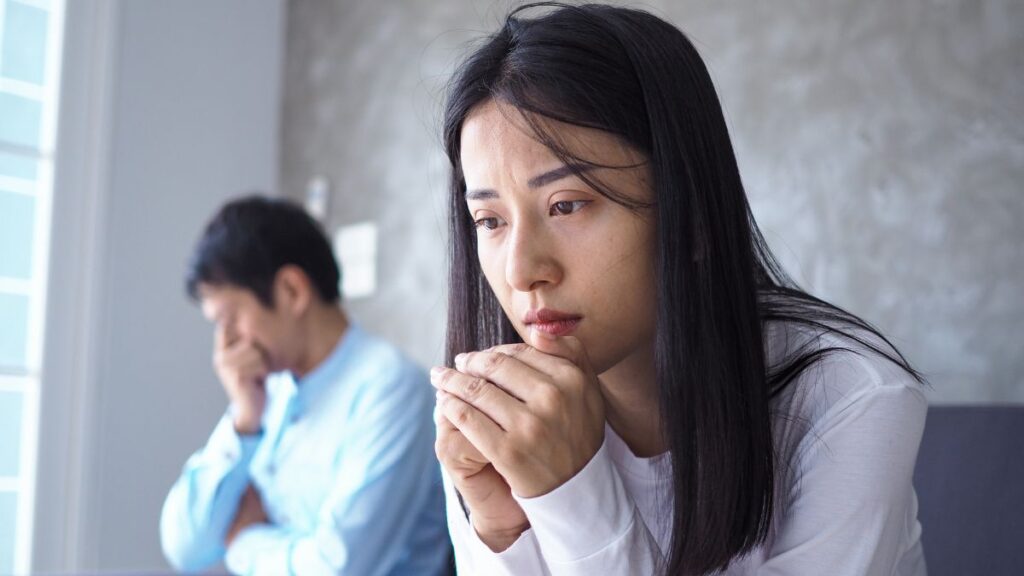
{"x": 473, "y": 557}
{"x": 587, "y": 514}
{"x": 522, "y": 557}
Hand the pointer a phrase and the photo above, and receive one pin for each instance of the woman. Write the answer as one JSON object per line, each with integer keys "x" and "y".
{"x": 633, "y": 384}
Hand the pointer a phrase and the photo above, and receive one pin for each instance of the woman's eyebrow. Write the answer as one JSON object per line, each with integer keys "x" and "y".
{"x": 557, "y": 174}
{"x": 538, "y": 181}
{"x": 481, "y": 194}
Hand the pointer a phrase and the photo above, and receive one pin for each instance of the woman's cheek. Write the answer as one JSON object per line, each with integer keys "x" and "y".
{"x": 493, "y": 267}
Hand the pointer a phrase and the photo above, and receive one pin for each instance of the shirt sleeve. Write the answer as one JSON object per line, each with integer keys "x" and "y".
{"x": 590, "y": 525}
{"x": 387, "y": 475}
{"x": 852, "y": 507}
{"x": 201, "y": 504}
{"x": 473, "y": 557}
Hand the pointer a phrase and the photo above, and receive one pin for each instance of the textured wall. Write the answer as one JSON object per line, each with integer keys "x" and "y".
{"x": 882, "y": 146}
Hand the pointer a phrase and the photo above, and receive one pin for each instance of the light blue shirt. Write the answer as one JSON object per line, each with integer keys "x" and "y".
{"x": 346, "y": 469}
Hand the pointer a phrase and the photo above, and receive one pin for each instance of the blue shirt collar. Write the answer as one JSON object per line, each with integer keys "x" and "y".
{"x": 326, "y": 373}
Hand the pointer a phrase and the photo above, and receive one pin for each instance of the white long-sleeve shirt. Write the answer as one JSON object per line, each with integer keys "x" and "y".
{"x": 846, "y": 433}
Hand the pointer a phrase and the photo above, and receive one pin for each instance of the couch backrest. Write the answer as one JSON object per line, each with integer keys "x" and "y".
{"x": 970, "y": 486}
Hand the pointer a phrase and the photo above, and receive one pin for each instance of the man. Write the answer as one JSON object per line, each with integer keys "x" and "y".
{"x": 324, "y": 462}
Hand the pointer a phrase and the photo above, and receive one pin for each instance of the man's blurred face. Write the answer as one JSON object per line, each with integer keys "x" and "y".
{"x": 241, "y": 317}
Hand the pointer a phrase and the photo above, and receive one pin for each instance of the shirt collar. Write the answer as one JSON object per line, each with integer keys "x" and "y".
{"x": 326, "y": 373}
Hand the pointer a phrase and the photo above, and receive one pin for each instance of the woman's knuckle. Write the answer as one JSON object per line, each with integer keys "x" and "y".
{"x": 460, "y": 415}
{"x": 492, "y": 362}
{"x": 567, "y": 372}
{"x": 549, "y": 397}
{"x": 532, "y": 431}
{"x": 515, "y": 350}
{"x": 446, "y": 377}
{"x": 475, "y": 389}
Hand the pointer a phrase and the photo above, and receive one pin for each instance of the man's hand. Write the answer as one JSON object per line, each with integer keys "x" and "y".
{"x": 250, "y": 511}
{"x": 242, "y": 368}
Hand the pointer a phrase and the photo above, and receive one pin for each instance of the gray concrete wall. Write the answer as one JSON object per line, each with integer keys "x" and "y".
{"x": 882, "y": 146}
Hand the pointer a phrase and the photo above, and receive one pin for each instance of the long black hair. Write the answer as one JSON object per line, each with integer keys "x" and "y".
{"x": 633, "y": 75}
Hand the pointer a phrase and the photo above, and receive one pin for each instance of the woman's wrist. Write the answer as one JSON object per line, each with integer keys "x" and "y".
{"x": 498, "y": 538}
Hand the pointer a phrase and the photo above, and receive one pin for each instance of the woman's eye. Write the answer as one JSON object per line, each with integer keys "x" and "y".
{"x": 566, "y": 207}
{"x": 487, "y": 223}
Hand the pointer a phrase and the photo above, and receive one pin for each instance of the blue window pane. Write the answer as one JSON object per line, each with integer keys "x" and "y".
{"x": 10, "y": 433}
{"x": 17, "y": 224}
{"x": 13, "y": 330}
{"x": 24, "y": 48}
{"x": 20, "y": 120}
{"x": 8, "y": 520}
{"x": 18, "y": 166}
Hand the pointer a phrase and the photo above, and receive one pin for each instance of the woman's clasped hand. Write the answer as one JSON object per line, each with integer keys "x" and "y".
{"x": 517, "y": 419}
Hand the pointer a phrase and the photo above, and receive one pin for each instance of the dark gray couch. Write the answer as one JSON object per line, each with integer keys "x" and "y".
{"x": 970, "y": 484}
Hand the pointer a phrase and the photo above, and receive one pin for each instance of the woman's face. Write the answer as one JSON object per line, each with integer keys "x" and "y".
{"x": 559, "y": 256}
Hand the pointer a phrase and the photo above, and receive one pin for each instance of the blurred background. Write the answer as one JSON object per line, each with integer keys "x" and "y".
{"x": 882, "y": 146}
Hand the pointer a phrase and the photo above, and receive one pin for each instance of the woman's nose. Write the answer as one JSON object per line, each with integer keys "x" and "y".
{"x": 531, "y": 261}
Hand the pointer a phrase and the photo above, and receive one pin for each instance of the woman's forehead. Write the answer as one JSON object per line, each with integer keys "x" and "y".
{"x": 499, "y": 136}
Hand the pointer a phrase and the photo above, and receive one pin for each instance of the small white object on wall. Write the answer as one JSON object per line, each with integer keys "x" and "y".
{"x": 318, "y": 194}
{"x": 355, "y": 247}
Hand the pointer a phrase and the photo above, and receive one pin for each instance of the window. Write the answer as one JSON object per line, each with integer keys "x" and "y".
{"x": 30, "y": 38}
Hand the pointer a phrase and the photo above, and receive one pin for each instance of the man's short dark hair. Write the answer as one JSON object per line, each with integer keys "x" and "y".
{"x": 250, "y": 239}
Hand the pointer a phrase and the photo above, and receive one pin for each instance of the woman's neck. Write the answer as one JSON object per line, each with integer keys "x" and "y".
{"x": 631, "y": 404}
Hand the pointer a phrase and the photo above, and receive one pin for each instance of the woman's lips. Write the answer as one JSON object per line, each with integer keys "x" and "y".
{"x": 552, "y": 321}
{"x": 557, "y": 328}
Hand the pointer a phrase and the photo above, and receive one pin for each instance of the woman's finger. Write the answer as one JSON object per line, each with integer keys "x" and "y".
{"x": 453, "y": 448}
{"x": 477, "y": 428}
{"x": 495, "y": 404}
{"x": 567, "y": 347}
{"x": 507, "y": 370}
{"x": 531, "y": 356}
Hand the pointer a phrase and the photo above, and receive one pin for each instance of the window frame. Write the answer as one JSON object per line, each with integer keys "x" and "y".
{"x": 27, "y": 380}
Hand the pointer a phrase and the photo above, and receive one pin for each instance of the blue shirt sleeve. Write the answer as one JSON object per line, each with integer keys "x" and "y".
{"x": 202, "y": 503}
{"x": 382, "y": 480}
